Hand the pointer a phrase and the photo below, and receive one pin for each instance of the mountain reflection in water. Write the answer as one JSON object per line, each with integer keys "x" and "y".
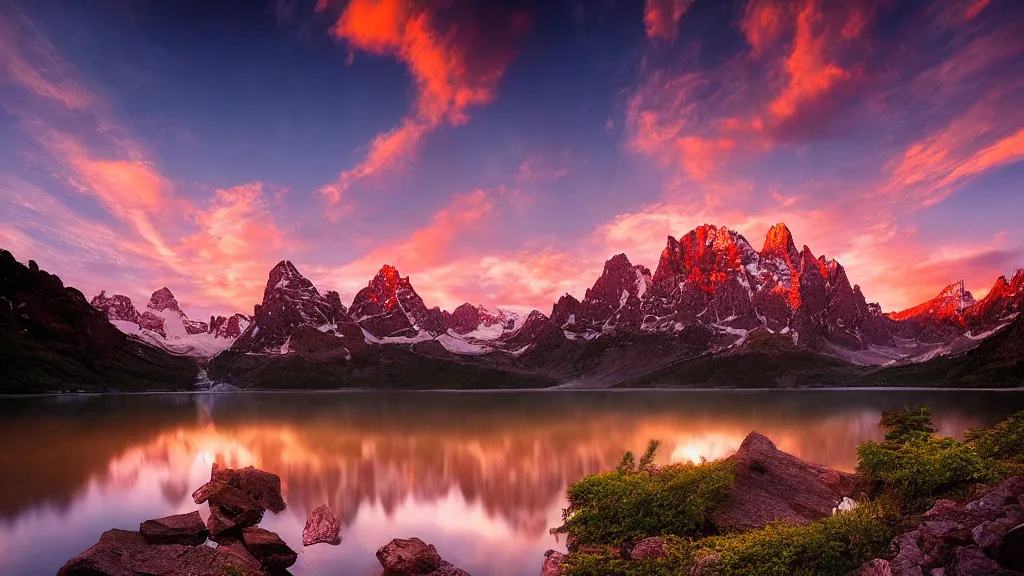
{"x": 480, "y": 475}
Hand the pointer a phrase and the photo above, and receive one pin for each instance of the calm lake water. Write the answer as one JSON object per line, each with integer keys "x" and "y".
{"x": 480, "y": 475}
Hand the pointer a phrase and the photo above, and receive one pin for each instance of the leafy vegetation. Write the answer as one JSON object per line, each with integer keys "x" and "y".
{"x": 637, "y": 501}
{"x": 916, "y": 466}
{"x": 1004, "y": 441}
{"x": 833, "y": 546}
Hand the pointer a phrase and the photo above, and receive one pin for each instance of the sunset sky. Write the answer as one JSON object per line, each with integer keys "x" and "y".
{"x": 499, "y": 153}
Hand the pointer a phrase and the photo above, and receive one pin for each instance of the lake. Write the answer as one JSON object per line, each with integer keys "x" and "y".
{"x": 480, "y": 475}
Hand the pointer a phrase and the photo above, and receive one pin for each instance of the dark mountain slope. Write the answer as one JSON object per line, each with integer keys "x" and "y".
{"x": 51, "y": 339}
{"x": 998, "y": 362}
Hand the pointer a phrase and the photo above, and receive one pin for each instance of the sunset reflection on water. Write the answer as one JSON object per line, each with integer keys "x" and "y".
{"x": 482, "y": 476}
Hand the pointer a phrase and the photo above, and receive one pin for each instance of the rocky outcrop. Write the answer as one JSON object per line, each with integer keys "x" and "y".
{"x": 268, "y": 548}
{"x": 612, "y": 303}
{"x": 983, "y": 536}
{"x": 291, "y": 302}
{"x": 125, "y": 553}
{"x": 322, "y": 527}
{"x": 412, "y": 557}
{"x": 771, "y": 486}
{"x": 164, "y": 316}
{"x": 186, "y": 529}
{"x": 238, "y": 498}
{"x": 178, "y": 545}
{"x": 230, "y": 327}
{"x": 116, "y": 307}
{"x": 465, "y": 319}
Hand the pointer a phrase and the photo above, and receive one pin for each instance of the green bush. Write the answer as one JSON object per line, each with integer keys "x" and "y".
{"x": 916, "y": 465}
{"x": 831, "y": 547}
{"x": 634, "y": 502}
{"x": 1004, "y": 441}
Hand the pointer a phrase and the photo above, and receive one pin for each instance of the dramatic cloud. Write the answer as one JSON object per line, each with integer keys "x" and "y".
{"x": 661, "y": 17}
{"x": 455, "y": 60}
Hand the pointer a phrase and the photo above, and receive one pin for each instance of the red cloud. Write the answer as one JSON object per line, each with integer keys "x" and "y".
{"x": 455, "y": 61}
{"x": 661, "y": 17}
{"x": 236, "y": 243}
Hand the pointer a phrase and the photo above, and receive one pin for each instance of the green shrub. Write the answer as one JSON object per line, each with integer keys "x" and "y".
{"x": 1004, "y": 441}
{"x": 635, "y": 502}
{"x": 831, "y": 547}
{"x": 916, "y": 465}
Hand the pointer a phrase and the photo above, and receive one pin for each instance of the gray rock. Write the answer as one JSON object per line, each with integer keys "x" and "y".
{"x": 552, "y": 565}
{"x": 322, "y": 526}
{"x": 909, "y": 557}
{"x": 989, "y": 535}
{"x": 971, "y": 561}
{"x": 876, "y": 567}
{"x": 412, "y": 557}
{"x": 649, "y": 549}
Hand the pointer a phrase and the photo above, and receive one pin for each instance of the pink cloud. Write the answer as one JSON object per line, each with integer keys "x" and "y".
{"x": 456, "y": 63}
{"x": 661, "y": 17}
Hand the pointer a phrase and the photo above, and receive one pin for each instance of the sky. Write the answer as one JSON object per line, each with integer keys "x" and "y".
{"x": 500, "y": 152}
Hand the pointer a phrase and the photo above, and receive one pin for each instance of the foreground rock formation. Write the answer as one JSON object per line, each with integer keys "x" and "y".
{"x": 412, "y": 557}
{"x": 229, "y": 542}
{"x": 772, "y": 485}
{"x": 984, "y": 537}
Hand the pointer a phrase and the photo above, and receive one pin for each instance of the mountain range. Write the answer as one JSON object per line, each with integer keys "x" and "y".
{"x": 715, "y": 312}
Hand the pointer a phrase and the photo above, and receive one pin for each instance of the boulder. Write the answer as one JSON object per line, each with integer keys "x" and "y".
{"x": 268, "y": 548}
{"x": 909, "y": 557}
{"x": 938, "y": 536}
{"x": 706, "y": 564}
{"x": 262, "y": 488}
{"x": 771, "y": 486}
{"x": 648, "y": 549}
{"x": 322, "y": 526}
{"x": 124, "y": 553}
{"x": 552, "y": 565}
{"x": 448, "y": 569}
{"x": 187, "y": 529}
{"x": 989, "y": 535}
{"x": 1012, "y": 549}
{"x": 408, "y": 557}
{"x": 231, "y": 510}
{"x": 876, "y": 567}
{"x": 971, "y": 561}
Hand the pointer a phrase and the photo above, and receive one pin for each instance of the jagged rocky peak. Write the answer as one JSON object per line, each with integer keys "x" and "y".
{"x": 613, "y": 301}
{"x": 229, "y": 327}
{"x": 162, "y": 300}
{"x": 116, "y": 307}
{"x": 779, "y": 243}
{"x": 390, "y": 307}
{"x": 292, "y": 305}
{"x": 464, "y": 319}
{"x": 564, "y": 312}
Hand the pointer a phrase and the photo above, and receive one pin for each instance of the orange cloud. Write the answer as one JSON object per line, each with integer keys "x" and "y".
{"x": 455, "y": 63}
{"x": 763, "y": 24}
{"x": 661, "y": 17}
{"x": 811, "y": 75}
{"x": 702, "y": 156}
{"x": 237, "y": 242}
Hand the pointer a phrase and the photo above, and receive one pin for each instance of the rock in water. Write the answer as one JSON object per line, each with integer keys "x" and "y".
{"x": 187, "y": 529}
{"x": 262, "y": 488}
{"x": 231, "y": 509}
{"x": 124, "y": 553}
{"x": 322, "y": 526}
{"x": 772, "y": 486}
{"x": 268, "y": 548}
{"x": 552, "y": 565}
{"x": 413, "y": 557}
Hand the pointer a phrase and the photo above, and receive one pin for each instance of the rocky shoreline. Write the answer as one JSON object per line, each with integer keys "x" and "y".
{"x": 982, "y": 534}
